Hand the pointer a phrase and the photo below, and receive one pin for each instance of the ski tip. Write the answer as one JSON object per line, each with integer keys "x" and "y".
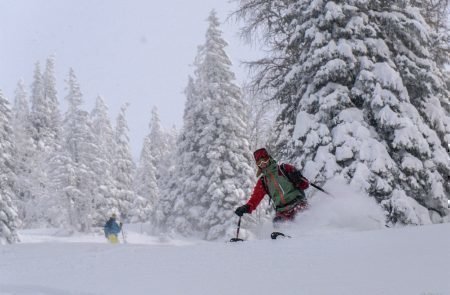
{"x": 236, "y": 240}
{"x": 277, "y": 234}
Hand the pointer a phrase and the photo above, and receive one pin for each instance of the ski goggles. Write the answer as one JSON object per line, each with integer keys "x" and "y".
{"x": 262, "y": 161}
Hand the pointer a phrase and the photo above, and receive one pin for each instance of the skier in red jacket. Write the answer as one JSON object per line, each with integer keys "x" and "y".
{"x": 283, "y": 183}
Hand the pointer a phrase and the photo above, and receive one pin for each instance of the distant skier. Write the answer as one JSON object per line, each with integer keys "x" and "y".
{"x": 283, "y": 183}
{"x": 112, "y": 229}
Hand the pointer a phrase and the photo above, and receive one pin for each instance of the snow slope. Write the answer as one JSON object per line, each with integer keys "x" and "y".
{"x": 336, "y": 249}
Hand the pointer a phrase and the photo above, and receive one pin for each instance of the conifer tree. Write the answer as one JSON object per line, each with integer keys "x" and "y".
{"x": 159, "y": 148}
{"x": 172, "y": 190}
{"x": 38, "y": 120}
{"x": 9, "y": 220}
{"x": 363, "y": 96}
{"x": 146, "y": 183}
{"x": 45, "y": 116}
{"x": 169, "y": 157}
{"x": 102, "y": 167}
{"x": 214, "y": 172}
{"x": 37, "y": 105}
{"x": 24, "y": 153}
{"x": 123, "y": 166}
{"x": 50, "y": 95}
{"x": 46, "y": 132}
{"x": 78, "y": 152}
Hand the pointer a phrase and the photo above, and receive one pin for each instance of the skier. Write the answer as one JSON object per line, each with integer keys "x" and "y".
{"x": 283, "y": 183}
{"x": 112, "y": 229}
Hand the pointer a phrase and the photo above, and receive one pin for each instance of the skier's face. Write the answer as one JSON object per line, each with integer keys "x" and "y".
{"x": 263, "y": 163}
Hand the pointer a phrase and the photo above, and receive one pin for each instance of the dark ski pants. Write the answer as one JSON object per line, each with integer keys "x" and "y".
{"x": 289, "y": 215}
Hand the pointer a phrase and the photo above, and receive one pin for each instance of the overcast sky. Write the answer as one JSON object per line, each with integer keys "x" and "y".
{"x": 137, "y": 51}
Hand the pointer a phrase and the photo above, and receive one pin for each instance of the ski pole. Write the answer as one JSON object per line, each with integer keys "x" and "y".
{"x": 315, "y": 185}
{"x": 123, "y": 234}
{"x": 319, "y": 188}
{"x": 236, "y": 239}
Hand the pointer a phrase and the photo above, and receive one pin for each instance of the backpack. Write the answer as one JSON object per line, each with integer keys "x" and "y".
{"x": 293, "y": 178}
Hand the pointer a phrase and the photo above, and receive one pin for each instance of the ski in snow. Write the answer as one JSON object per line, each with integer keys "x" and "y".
{"x": 273, "y": 236}
{"x": 277, "y": 234}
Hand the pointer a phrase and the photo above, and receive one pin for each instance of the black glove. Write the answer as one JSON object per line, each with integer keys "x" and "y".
{"x": 242, "y": 209}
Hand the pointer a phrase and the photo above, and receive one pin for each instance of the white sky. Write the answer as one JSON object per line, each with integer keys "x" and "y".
{"x": 138, "y": 51}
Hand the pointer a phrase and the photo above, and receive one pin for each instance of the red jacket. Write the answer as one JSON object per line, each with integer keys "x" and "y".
{"x": 259, "y": 191}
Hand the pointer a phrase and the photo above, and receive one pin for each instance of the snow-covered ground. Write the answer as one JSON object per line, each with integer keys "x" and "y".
{"x": 338, "y": 247}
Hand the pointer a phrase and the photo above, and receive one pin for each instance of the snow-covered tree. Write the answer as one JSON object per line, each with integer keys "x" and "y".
{"x": 76, "y": 186}
{"x": 9, "y": 220}
{"x": 37, "y": 105}
{"x": 50, "y": 94}
{"x": 40, "y": 121}
{"x": 362, "y": 95}
{"x": 146, "y": 180}
{"x": 214, "y": 166}
{"x": 24, "y": 153}
{"x": 102, "y": 128}
{"x": 102, "y": 167}
{"x": 435, "y": 12}
{"x": 123, "y": 166}
{"x": 171, "y": 136}
{"x": 159, "y": 148}
{"x": 261, "y": 113}
{"x": 182, "y": 157}
{"x": 45, "y": 121}
{"x": 56, "y": 207}
{"x": 45, "y": 116}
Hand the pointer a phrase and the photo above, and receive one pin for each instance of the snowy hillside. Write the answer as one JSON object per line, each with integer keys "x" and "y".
{"x": 335, "y": 249}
